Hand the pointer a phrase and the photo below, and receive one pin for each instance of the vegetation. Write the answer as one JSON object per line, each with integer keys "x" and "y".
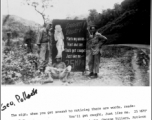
{"x": 15, "y": 65}
{"x": 125, "y": 23}
{"x": 17, "y": 26}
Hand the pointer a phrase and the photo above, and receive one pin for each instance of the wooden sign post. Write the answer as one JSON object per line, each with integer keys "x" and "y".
{"x": 69, "y": 43}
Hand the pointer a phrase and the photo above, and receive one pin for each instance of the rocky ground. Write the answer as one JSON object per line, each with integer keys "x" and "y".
{"x": 122, "y": 70}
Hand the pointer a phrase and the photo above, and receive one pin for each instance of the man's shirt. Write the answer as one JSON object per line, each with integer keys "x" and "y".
{"x": 98, "y": 40}
{"x": 43, "y": 36}
{"x": 60, "y": 65}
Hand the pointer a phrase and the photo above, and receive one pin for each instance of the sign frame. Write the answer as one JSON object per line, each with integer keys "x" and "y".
{"x": 74, "y": 38}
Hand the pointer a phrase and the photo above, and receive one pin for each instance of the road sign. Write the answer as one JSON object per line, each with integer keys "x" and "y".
{"x": 69, "y": 42}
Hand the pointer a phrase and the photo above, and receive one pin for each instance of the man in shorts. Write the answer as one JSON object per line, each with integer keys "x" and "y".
{"x": 58, "y": 71}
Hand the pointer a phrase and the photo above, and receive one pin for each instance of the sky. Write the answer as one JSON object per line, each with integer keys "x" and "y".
{"x": 61, "y": 9}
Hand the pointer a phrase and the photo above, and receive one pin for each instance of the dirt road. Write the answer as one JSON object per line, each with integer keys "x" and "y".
{"x": 132, "y": 45}
{"x": 122, "y": 71}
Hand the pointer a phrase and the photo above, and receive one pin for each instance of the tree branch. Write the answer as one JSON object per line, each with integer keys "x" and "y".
{"x": 38, "y": 10}
{"x": 41, "y": 13}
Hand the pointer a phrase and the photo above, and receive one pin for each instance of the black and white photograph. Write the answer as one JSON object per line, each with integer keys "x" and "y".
{"x": 75, "y": 60}
{"x": 75, "y": 42}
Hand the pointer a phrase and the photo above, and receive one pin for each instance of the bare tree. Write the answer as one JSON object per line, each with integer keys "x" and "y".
{"x": 40, "y": 7}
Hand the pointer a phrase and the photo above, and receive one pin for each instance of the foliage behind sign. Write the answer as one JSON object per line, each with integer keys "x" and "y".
{"x": 74, "y": 43}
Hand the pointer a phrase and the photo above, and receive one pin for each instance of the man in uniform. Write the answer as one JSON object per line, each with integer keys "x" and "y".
{"x": 97, "y": 40}
{"x": 43, "y": 42}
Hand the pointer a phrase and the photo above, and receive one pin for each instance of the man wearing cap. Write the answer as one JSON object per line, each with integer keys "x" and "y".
{"x": 92, "y": 32}
{"x": 43, "y": 41}
{"x": 96, "y": 42}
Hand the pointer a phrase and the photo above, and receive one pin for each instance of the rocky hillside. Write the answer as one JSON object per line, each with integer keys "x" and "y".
{"x": 131, "y": 25}
{"x": 17, "y": 24}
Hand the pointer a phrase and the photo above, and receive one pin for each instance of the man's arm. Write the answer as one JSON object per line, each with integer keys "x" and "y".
{"x": 54, "y": 65}
{"x": 39, "y": 37}
{"x": 102, "y": 37}
{"x": 64, "y": 66}
{"x": 50, "y": 33}
{"x": 57, "y": 69}
{"x": 102, "y": 40}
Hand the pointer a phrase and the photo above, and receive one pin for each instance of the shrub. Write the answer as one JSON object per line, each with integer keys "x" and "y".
{"x": 18, "y": 65}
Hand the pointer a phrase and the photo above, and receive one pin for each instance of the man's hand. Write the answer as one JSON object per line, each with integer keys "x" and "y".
{"x": 57, "y": 69}
{"x": 35, "y": 45}
{"x": 25, "y": 45}
{"x": 95, "y": 51}
{"x": 91, "y": 36}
